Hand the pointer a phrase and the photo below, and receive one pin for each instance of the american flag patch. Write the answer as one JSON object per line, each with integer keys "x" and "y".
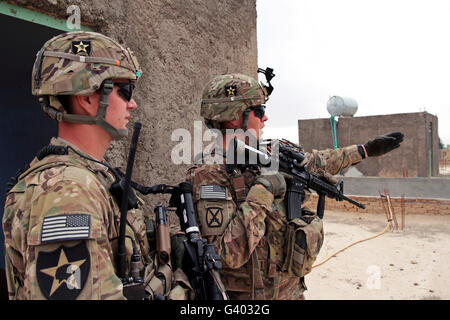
{"x": 213, "y": 192}
{"x": 66, "y": 227}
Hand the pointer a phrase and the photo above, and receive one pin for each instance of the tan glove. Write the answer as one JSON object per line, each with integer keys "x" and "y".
{"x": 274, "y": 183}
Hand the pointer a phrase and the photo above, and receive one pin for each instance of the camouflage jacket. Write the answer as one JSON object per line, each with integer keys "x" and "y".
{"x": 251, "y": 231}
{"x": 61, "y": 226}
{"x": 331, "y": 161}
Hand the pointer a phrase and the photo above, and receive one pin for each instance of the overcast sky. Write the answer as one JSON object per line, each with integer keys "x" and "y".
{"x": 390, "y": 56}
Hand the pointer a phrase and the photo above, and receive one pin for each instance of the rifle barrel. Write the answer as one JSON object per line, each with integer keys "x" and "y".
{"x": 356, "y": 203}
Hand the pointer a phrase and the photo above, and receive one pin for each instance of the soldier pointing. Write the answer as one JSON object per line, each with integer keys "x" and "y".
{"x": 243, "y": 212}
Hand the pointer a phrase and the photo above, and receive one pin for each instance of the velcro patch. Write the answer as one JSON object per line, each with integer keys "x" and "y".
{"x": 81, "y": 48}
{"x": 214, "y": 217}
{"x": 62, "y": 273}
{"x": 231, "y": 91}
{"x": 66, "y": 227}
{"x": 213, "y": 192}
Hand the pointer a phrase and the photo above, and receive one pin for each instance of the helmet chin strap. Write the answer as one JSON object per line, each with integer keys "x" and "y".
{"x": 99, "y": 119}
{"x": 116, "y": 134}
{"x": 245, "y": 122}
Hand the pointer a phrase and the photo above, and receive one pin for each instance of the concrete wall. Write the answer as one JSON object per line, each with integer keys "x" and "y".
{"x": 410, "y": 160}
{"x": 422, "y": 188}
{"x": 376, "y": 206}
{"x": 180, "y": 46}
{"x": 420, "y": 195}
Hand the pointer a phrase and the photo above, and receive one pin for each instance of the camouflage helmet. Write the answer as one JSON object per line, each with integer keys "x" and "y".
{"x": 80, "y": 63}
{"x": 227, "y": 97}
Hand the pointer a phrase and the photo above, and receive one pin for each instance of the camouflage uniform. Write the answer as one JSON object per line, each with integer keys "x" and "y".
{"x": 73, "y": 188}
{"x": 245, "y": 222}
{"x": 240, "y": 226}
{"x": 61, "y": 222}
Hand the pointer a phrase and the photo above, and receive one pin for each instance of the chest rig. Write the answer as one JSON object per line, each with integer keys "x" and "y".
{"x": 242, "y": 178}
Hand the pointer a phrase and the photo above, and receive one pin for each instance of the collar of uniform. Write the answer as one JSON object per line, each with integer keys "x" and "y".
{"x": 94, "y": 166}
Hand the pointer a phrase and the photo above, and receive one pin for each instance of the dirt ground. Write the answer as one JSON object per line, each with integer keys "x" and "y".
{"x": 409, "y": 264}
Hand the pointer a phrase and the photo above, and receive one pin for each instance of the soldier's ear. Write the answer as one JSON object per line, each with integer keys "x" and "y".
{"x": 233, "y": 124}
{"x": 86, "y": 105}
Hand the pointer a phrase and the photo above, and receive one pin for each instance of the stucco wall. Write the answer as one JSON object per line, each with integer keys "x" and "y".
{"x": 410, "y": 160}
{"x": 180, "y": 45}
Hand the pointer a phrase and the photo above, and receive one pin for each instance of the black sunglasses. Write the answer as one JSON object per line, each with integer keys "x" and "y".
{"x": 125, "y": 90}
{"x": 259, "y": 111}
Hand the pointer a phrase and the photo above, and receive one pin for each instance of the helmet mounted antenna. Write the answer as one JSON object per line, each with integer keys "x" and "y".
{"x": 268, "y": 72}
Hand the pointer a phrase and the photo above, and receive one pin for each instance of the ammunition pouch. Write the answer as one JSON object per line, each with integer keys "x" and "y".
{"x": 160, "y": 282}
{"x": 182, "y": 289}
{"x": 304, "y": 238}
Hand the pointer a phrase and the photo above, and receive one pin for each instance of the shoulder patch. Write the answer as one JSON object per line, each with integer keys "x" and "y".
{"x": 213, "y": 192}
{"x": 62, "y": 273}
{"x": 214, "y": 217}
{"x": 66, "y": 227}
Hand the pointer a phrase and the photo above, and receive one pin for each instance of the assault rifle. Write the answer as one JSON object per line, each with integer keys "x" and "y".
{"x": 202, "y": 262}
{"x": 288, "y": 160}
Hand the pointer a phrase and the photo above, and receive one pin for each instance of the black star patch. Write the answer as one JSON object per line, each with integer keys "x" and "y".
{"x": 81, "y": 48}
{"x": 214, "y": 217}
{"x": 62, "y": 273}
{"x": 230, "y": 91}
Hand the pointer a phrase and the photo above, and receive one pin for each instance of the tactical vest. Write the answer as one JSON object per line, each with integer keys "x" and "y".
{"x": 159, "y": 281}
{"x": 260, "y": 278}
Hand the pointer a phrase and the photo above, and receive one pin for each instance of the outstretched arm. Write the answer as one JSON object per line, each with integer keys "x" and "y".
{"x": 332, "y": 161}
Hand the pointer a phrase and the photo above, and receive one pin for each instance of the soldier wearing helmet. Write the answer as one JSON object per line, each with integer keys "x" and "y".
{"x": 61, "y": 222}
{"x": 242, "y": 210}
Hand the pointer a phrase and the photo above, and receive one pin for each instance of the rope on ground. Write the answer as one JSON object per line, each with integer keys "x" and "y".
{"x": 352, "y": 244}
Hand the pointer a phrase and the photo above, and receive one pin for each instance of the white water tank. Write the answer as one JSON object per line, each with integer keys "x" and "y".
{"x": 342, "y": 106}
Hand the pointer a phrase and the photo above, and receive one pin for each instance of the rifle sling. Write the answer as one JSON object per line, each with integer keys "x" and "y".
{"x": 239, "y": 189}
{"x": 256, "y": 278}
{"x": 218, "y": 281}
{"x": 238, "y": 183}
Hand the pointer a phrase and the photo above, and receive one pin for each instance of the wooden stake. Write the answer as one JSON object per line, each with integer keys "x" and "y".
{"x": 402, "y": 205}
{"x": 391, "y": 209}
{"x": 382, "y": 197}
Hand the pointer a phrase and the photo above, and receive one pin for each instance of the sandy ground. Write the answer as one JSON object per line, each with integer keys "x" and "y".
{"x": 409, "y": 264}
